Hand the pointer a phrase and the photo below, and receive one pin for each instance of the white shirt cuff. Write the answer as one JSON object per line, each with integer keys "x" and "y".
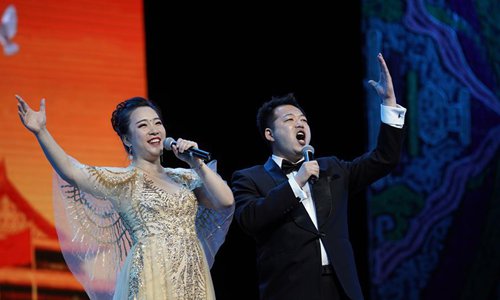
{"x": 393, "y": 115}
{"x": 297, "y": 191}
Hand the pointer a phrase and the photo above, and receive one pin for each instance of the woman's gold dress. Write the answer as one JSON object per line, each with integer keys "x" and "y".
{"x": 145, "y": 242}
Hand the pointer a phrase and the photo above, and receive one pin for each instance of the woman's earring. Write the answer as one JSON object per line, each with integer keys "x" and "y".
{"x": 130, "y": 155}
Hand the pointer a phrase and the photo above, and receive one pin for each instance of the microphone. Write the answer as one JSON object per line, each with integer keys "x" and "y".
{"x": 308, "y": 153}
{"x": 168, "y": 142}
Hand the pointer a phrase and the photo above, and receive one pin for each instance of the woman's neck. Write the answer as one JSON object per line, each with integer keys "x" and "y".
{"x": 148, "y": 166}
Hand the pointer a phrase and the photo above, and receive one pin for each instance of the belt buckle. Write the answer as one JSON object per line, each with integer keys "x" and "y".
{"x": 326, "y": 269}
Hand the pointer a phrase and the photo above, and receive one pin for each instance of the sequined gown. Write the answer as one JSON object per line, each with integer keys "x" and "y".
{"x": 152, "y": 238}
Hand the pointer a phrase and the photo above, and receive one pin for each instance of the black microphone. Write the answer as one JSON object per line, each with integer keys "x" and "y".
{"x": 168, "y": 142}
{"x": 308, "y": 153}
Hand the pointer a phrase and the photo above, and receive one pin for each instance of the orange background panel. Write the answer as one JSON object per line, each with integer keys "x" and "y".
{"x": 84, "y": 57}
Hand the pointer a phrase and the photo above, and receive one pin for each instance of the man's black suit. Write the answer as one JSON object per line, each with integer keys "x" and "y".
{"x": 288, "y": 249}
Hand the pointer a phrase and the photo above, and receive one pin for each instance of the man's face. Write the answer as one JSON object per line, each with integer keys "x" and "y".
{"x": 289, "y": 132}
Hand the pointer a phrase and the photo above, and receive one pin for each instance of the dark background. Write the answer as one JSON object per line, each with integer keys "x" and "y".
{"x": 210, "y": 68}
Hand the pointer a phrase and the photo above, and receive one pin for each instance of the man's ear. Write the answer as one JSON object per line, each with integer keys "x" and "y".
{"x": 268, "y": 133}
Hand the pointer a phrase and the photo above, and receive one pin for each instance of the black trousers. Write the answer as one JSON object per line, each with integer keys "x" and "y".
{"x": 330, "y": 285}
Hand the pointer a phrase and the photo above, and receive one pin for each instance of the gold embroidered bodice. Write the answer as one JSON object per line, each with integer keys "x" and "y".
{"x": 162, "y": 227}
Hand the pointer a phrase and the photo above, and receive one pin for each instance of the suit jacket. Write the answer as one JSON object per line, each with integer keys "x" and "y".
{"x": 288, "y": 249}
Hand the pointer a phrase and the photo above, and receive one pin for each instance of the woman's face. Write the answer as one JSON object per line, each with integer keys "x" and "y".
{"x": 146, "y": 133}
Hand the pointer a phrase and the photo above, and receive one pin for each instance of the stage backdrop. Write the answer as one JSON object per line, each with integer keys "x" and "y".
{"x": 83, "y": 57}
{"x": 434, "y": 222}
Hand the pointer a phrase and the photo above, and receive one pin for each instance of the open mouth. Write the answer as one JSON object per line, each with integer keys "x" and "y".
{"x": 301, "y": 136}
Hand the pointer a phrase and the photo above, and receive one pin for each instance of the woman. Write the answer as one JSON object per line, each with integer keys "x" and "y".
{"x": 157, "y": 229}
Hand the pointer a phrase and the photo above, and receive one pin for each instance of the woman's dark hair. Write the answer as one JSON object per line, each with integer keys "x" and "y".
{"x": 120, "y": 119}
{"x": 265, "y": 114}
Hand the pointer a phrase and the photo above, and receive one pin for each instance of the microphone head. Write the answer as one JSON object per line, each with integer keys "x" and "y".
{"x": 168, "y": 142}
{"x": 307, "y": 148}
{"x": 308, "y": 152}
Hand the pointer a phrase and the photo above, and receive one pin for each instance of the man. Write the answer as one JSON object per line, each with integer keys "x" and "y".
{"x": 298, "y": 218}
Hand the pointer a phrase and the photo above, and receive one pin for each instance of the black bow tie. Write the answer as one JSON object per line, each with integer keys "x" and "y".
{"x": 289, "y": 167}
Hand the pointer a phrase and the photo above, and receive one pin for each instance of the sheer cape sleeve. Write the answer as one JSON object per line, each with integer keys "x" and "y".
{"x": 94, "y": 239}
{"x": 211, "y": 225}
